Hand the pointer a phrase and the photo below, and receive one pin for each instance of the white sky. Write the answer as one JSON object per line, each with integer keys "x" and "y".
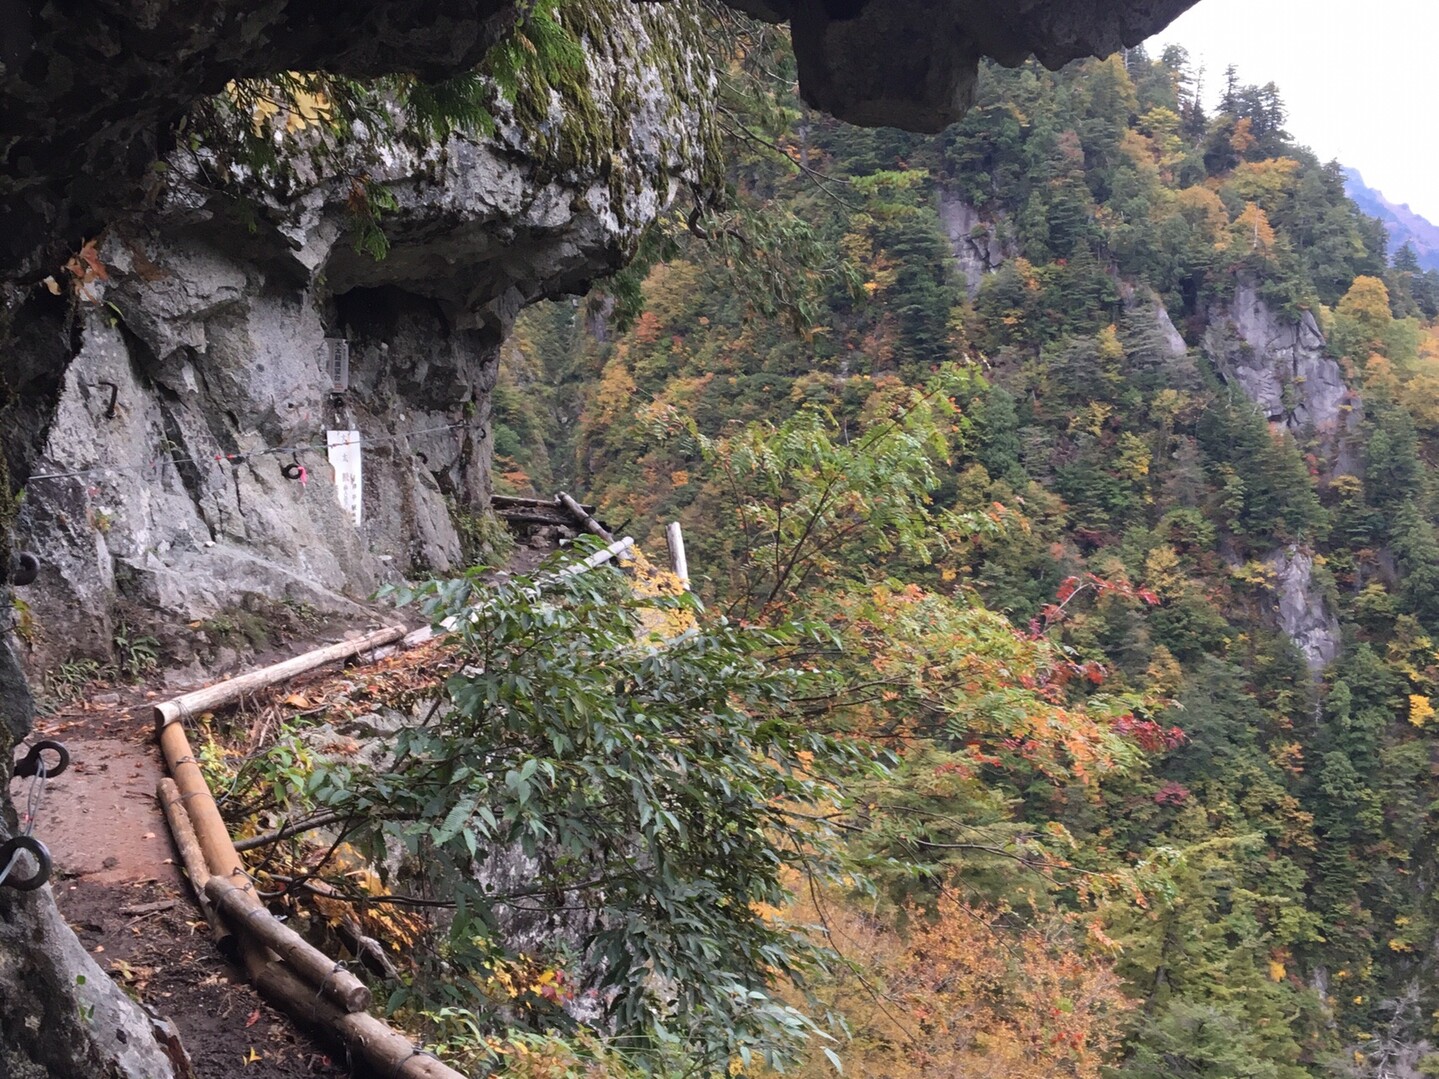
{"x": 1360, "y": 79}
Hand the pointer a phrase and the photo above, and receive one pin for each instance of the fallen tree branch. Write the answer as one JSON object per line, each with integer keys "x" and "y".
{"x": 299, "y": 827}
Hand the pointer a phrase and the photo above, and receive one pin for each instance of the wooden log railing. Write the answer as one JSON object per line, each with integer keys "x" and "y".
{"x": 296, "y": 977}
{"x": 293, "y": 975}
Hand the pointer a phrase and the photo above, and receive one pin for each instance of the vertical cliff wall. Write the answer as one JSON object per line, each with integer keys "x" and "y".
{"x": 168, "y": 489}
{"x": 1282, "y": 365}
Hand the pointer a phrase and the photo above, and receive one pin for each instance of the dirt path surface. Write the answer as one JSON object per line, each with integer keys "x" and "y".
{"x": 117, "y": 883}
{"x": 117, "y": 880}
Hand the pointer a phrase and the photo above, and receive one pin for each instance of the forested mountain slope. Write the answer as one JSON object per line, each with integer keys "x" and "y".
{"x": 1100, "y": 432}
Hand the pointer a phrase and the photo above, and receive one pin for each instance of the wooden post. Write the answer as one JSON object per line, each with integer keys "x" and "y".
{"x": 676, "y": 541}
{"x": 224, "y": 692}
{"x": 248, "y": 918}
{"x": 579, "y": 514}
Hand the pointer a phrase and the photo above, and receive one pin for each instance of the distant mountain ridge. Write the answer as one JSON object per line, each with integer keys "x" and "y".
{"x": 1403, "y": 224}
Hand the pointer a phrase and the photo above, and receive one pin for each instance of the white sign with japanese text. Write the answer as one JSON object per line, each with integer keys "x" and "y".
{"x": 345, "y": 459}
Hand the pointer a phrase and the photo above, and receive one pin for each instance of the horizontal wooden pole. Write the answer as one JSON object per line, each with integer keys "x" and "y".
{"x": 594, "y": 561}
{"x": 507, "y": 501}
{"x": 379, "y": 1047}
{"x": 251, "y": 919}
{"x": 220, "y": 693}
{"x": 373, "y": 1042}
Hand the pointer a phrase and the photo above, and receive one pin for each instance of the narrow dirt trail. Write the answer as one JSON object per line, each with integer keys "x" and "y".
{"x": 117, "y": 882}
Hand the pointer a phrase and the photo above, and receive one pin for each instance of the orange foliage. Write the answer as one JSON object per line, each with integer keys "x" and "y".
{"x": 1012, "y": 696}
{"x": 615, "y": 394}
{"x": 647, "y": 328}
{"x": 972, "y": 992}
{"x": 1251, "y": 233}
{"x": 1241, "y": 139}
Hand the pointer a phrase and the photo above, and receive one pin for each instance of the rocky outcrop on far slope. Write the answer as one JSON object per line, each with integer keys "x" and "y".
{"x": 1300, "y": 608}
{"x": 978, "y": 245}
{"x": 1279, "y": 363}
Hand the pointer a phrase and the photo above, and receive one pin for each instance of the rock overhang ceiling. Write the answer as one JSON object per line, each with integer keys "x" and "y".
{"x": 90, "y": 91}
{"x": 913, "y": 63}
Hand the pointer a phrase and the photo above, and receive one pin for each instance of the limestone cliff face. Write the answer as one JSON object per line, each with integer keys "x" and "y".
{"x": 979, "y": 246}
{"x": 1163, "y": 324}
{"x": 1300, "y": 608}
{"x": 174, "y": 505}
{"x": 159, "y": 407}
{"x": 1279, "y": 363}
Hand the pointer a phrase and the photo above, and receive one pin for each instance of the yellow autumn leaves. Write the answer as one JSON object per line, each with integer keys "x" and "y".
{"x": 298, "y": 104}
{"x": 1421, "y": 709}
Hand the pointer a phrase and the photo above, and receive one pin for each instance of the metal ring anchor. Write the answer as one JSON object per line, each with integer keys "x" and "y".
{"x": 11, "y": 848}
{"x": 294, "y": 470}
{"x": 31, "y": 764}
